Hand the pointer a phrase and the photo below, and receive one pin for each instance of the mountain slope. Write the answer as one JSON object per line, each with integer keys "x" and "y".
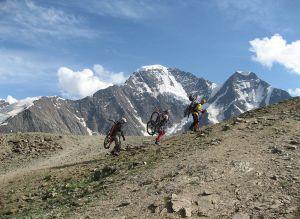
{"x": 246, "y": 166}
{"x": 147, "y": 88}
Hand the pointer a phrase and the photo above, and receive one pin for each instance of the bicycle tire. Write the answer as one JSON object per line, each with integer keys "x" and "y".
{"x": 155, "y": 117}
{"x": 151, "y": 127}
{"x": 107, "y": 142}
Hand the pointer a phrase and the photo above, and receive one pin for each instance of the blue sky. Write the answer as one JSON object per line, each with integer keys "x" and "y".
{"x": 46, "y": 44}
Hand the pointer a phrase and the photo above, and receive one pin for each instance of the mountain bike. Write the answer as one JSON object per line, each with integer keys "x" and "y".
{"x": 108, "y": 138}
{"x": 153, "y": 124}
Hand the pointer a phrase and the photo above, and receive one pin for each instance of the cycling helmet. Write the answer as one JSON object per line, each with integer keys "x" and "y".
{"x": 203, "y": 101}
{"x": 123, "y": 120}
{"x": 167, "y": 111}
{"x": 192, "y": 98}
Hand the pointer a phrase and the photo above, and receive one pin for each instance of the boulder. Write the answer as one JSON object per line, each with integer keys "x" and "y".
{"x": 181, "y": 205}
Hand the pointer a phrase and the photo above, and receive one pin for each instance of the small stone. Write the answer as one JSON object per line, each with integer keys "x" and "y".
{"x": 47, "y": 138}
{"x": 123, "y": 204}
{"x": 291, "y": 147}
{"x": 153, "y": 207}
{"x": 240, "y": 216}
{"x": 276, "y": 150}
{"x": 294, "y": 142}
{"x": 226, "y": 127}
{"x": 164, "y": 212}
{"x": 238, "y": 119}
{"x": 206, "y": 193}
{"x": 258, "y": 173}
{"x": 146, "y": 182}
{"x": 274, "y": 177}
{"x": 108, "y": 170}
{"x": 185, "y": 212}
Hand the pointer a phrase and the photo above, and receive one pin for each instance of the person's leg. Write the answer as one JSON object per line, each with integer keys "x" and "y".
{"x": 117, "y": 147}
{"x": 118, "y": 144}
{"x": 195, "y": 124}
{"x": 192, "y": 126}
{"x": 160, "y": 135}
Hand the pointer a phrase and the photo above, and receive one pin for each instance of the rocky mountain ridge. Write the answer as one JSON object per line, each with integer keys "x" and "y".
{"x": 147, "y": 88}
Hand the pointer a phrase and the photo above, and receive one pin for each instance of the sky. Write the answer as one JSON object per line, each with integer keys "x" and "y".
{"x": 74, "y": 48}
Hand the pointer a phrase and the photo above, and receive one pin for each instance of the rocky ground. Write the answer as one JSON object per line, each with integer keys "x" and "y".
{"x": 247, "y": 167}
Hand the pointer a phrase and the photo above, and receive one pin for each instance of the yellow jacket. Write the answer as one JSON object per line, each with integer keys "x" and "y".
{"x": 197, "y": 108}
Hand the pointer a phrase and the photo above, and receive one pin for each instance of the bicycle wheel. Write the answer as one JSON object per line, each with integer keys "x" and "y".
{"x": 107, "y": 142}
{"x": 154, "y": 117}
{"x": 151, "y": 127}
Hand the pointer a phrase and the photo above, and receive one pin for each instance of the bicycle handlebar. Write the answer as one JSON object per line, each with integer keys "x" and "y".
{"x": 111, "y": 120}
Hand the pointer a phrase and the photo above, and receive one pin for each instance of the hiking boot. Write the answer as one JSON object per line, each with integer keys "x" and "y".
{"x": 115, "y": 153}
{"x": 157, "y": 143}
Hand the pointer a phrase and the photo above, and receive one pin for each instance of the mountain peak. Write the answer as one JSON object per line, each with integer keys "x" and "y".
{"x": 244, "y": 73}
{"x": 157, "y": 67}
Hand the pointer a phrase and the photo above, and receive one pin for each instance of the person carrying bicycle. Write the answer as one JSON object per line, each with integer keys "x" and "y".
{"x": 196, "y": 110}
{"x": 116, "y": 135}
{"x": 164, "y": 119}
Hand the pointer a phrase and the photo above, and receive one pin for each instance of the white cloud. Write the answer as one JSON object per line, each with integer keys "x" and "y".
{"x": 11, "y": 99}
{"x": 84, "y": 83}
{"x": 107, "y": 76}
{"x": 276, "y": 50}
{"x": 294, "y": 92}
{"x": 27, "y": 20}
{"x": 129, "y": 9}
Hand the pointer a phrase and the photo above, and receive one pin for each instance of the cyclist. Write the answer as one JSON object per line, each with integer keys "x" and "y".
{"x": 164, "y": 119}
{"x": 116, "y": 135}
{"x": 195, "y": 109}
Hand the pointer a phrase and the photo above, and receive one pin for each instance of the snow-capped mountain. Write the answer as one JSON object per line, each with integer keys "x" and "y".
{"x": 10, "y": 110}
{"x": 242, "y": 92}
{"x": 148, "y": 87}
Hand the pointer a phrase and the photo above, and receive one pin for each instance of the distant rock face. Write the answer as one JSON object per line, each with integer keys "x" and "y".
{"x": 242, "y": 92}
{"x": 147, "y": 88}
{"x": 194, "y": 85}
{"x": 47, "y": 114}
{"x": 3, "y": 103}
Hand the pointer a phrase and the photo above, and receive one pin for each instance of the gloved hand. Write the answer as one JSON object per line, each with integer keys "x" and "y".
{"x": 123, "y": 138}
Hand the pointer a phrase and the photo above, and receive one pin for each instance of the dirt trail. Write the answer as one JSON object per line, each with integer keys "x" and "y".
{"x": 75, "y": 150}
